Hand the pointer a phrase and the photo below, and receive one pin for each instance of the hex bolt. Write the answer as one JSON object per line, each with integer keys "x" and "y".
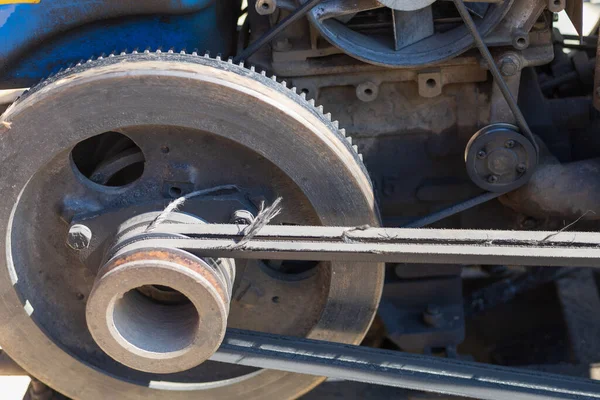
{"x": 508, "y": 66}
{"x": 509, "y": 144}
{"x": 521, "y": 168}
{"x": 242, "y": 217}
{"x": 492, "y": 179}
{"x": 433, "y": 316}
{"x": 481, "y": 154}
{"x": 79, "y": 237}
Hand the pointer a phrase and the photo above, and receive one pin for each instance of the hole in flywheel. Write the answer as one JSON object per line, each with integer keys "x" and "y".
{"x": 109, "y": 159}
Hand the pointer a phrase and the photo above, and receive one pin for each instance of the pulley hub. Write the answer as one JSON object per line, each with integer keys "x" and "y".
{"x": 159, "y": 309}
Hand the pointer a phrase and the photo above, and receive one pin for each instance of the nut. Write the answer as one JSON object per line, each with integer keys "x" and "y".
{"x": 242, "y": 217}
{"x": 79, "y": 237}
{"x": 265, "y": 7}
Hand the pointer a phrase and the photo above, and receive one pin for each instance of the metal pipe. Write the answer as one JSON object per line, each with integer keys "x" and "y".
{"x": 570, "y": 190}
{"x": 394, "y": 368}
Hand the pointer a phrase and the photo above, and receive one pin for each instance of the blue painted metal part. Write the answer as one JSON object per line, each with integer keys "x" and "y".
{"x": 37, "y": 40}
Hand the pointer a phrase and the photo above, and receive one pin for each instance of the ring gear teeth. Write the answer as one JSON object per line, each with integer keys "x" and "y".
{"x": 229, "y": 65}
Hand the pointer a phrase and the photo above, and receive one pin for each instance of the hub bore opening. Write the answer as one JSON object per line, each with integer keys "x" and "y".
{"x": 155, "y": 327}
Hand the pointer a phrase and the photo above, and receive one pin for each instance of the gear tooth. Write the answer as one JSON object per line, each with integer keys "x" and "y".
{"x": 342, "y": 131}
{"x": 123, "y": 53}
{"x": 274, "y": 78}
{"x": 263, "y": 73}
{"x": 320, "y": 108}
{"x": 218, "y": 57}
{"x": 294, "y": 89}
{"x": 195, "y": 53}
{"x": 147, "y": 51}
{"x": 242, "y": 64}
{"x": 355, "y": 147}
{"x": 158, "y": 51}
{"x": 252, "y": 68}
{"x": 303, "y": 95}
{"x": 230, "y": 60}
{"x": 328, "y": 116}
{"x": 283, "y": 83}
{"x": 134, "y": 52}
{"x": 311, "y": 101}
{"x": 360, "y": 157}
{"x": 89, "y": 61}
{"x": 349, "y": 139}
{"x": 170, "y": 51}
{"x": 111, "y": 55}
{"x": 182, "y": 52}
{"x": 336, "y": 124}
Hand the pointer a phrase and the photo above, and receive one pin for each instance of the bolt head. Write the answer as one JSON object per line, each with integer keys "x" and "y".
{"x": 242, "y": 217}
{"x": 79, "y": 237}
{"x": 492, "y": 179}
{"x": 508, "y": 67}
{"x": 481, "y": 154}
{"x": 521, "y": 168}
{"x": 509, "y": 144}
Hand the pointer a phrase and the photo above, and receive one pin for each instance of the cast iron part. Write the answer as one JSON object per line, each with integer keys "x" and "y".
{"x": 134, "y": 325}
{"x": 499, "y": 159}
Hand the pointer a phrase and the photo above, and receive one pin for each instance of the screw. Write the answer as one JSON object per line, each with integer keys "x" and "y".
{"x": 79, "y": 237}
{"x": 242, "y": 217}
{"x": 509, "y": 144}
{"x": 481, "y": 154}
{"x": 492, "y": 179}
{"x": 508, "y": 67}
{"x": 521, "y": 168}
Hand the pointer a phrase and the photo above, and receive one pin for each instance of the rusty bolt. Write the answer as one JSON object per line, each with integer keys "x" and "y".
{"x": 492, "y": 179}
{"x": 509, "y": 144}
{"x": 242, "y": 217}
{"x": 481, "y": 154}
{"x": 79, "y": 237}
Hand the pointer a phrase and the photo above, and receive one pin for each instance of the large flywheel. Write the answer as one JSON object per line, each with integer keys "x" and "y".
{"x": 95, "y": 147}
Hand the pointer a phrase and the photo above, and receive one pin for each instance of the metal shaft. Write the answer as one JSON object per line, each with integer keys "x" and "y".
{"x": 393, "y": 368}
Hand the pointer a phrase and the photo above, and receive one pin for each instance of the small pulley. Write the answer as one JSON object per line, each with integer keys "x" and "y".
{"x": 499, "y": 158}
